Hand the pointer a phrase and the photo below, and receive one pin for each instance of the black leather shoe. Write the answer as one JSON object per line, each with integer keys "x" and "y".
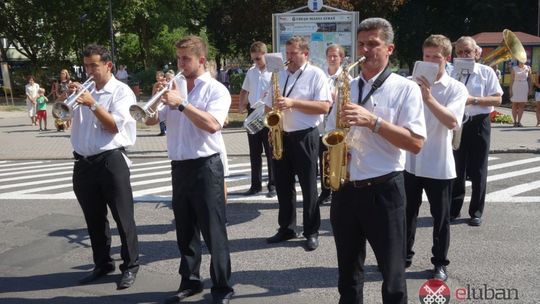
{"x": 271, "y": 193}
{"x": 475, "y": 221}
{"x": 96, "y": 274}
{"x": 439, "y": 273}
{"x": 324, "y": 198}
{"x": 252, "y": 191}
{"x": 222, "y": 298}
{"x": 453, "y": 218}
{"x": 182, "y": 294}
{"x": 128, "y": 278}
{"x": 408, "y": 264}
{"x": 312, "y": 243}
{"x": 281, "y": 237}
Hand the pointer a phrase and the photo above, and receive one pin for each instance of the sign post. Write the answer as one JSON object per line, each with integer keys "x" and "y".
{"x": 320, "y": 29}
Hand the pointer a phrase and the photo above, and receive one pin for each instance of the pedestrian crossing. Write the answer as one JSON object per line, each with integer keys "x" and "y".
{"x": 512, "y": 178}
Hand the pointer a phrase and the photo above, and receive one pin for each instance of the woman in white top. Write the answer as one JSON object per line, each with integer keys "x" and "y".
{"x": 537, "y": 98}
{"x": 31, "y": 90}
{"x": 519, "y": 91}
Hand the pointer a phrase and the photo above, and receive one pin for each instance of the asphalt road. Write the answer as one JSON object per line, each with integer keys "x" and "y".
{"x": 44, "y": 248}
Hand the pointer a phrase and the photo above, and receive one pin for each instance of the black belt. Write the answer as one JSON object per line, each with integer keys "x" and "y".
{"x": 373, "y": 181}
{"x": 299, "y": 132}
{"x": 98, "y": 156}
{"x": 195, "y": 161}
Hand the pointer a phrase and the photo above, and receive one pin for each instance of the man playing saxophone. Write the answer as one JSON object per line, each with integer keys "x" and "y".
{"x": 386, "y": 119}
{"x": 304, "y": 98}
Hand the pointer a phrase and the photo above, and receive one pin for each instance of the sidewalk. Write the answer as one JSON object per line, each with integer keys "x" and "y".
{"x": 20, "y": 140}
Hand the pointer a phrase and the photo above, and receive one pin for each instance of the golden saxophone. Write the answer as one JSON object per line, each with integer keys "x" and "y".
{"x": 335, "y": 160}
{"x": 274, "y": 121}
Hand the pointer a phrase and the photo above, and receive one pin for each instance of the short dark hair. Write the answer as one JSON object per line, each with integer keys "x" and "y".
{"x": 96, "y": 49}
{"x": 385, "y": 28}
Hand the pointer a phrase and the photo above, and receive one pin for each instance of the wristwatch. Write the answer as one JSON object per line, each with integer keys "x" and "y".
{"x": 183, "y": 105}
{"x": 93, "y": 107}
{"x": 378, "y": 124}
{"x": 475, "y": 101}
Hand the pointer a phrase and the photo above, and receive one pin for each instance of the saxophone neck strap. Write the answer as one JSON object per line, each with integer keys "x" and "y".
{"x": 376, "y": 84}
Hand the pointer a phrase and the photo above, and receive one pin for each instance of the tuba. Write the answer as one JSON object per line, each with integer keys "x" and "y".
{"x": 510, "y": 48}
{"x": 274, "y": 119}
{"x": 335, "y": 160}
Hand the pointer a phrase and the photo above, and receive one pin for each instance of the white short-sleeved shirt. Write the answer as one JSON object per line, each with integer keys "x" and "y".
{"x": 31, "y": 90}
{"x": 184, "y": 139}
{"x": 398, "y": 101}
{"x": 257, "y": 83}
{"x": 87, "y": 134}
{"x": 482, "y": 82}
{"x": 436, "y": 159}
{"x": 307, "y": 83}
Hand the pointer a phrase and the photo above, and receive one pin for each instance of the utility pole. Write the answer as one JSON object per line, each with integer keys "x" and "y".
{"x": 113, "y": 51}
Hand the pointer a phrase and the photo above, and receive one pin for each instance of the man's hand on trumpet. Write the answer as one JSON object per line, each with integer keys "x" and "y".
{"x": 172, "y": 96}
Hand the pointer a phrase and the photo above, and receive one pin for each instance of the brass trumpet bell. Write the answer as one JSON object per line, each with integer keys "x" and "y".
{"x": 510, "y": 48}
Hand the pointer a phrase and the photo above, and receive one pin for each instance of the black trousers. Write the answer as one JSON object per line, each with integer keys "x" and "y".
{"x": 374, "y": 213}
{"x": 199, "y": 208}
{"x": 102, "y": 181}
{"x": 300, "y": 151}
{"x": 472, "y": 161}
{"x": 322, "y": 148}
{"x": 257, "y": 142}
{"x": 438, "y": 194}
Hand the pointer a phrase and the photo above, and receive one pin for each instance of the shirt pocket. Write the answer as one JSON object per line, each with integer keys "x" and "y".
{"x": 300, "y": 91}
{"x": 386, "y": 113}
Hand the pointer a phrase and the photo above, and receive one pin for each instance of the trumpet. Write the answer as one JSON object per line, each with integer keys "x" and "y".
{"x": 64, "y": 111}
{"x": 142, "y": 113}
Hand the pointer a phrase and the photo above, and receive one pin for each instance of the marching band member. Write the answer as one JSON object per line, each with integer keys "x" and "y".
{"x": 255, "y": 87}
{"x": 433, "y": 168}
{"x": 387, "y": 121}
{"x": 472, "y": 155}
{"x": 305, "y": 97}
{"x": 194, "y": 144}
{"x": 102, "y": 128}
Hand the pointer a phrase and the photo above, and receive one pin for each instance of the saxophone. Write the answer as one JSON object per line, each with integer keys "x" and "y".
{"x": 274, "y": 121}
{"x": 335, "y": 159}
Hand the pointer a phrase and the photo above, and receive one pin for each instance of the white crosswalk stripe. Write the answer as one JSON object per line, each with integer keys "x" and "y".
{"x": 510, "y": 179}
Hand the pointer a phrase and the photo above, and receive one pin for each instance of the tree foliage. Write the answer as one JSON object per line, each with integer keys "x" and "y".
{"x": 52, "y": 33}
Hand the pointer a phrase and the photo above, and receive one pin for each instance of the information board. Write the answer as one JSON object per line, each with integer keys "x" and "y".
{"x": 319, "y": 28}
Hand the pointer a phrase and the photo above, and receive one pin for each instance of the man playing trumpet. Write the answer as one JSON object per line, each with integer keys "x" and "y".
{"x": 102, "y": 128}
{"x": 194, "y": 144}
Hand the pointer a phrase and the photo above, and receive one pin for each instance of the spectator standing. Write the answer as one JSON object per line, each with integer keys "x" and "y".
{"x": 32, "y": 93}
{"x": 122, "y": 74}
{"x": 41, "y": 106}
{"x": 161, "y": 81}
{"x": 519, "y": 90}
